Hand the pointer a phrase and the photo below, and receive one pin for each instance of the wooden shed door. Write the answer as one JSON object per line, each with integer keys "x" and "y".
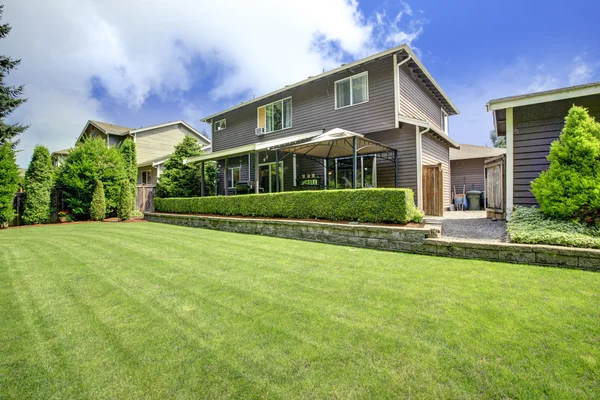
{"x": 433, "y": 190}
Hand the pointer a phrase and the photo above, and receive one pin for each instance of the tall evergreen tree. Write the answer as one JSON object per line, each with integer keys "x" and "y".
{"x": 497, "y": 141}
{"x": 179, "y": 180}
{"x": 128, "y": 153}
{"x": 38, "y": 187}
{"x": 10, "y": 96}
{"x": 9, "y": 183}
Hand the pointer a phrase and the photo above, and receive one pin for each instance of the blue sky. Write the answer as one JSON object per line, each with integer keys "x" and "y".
{"x": 142, "y": 62}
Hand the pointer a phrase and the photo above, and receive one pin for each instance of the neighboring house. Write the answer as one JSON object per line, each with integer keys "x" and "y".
{"x": 467, "y": 166}
{"x": 154, "y": 144}
{"x": 388, "y": 103}
{"x": 531, "y": 122}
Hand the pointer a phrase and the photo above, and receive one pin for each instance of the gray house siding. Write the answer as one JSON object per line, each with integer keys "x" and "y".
{"x": 435, "y": 152}
{"x": 467, "y": 173}
{"x": 313, "y": 108}
{"x": 114, "y": 140}
{"x": 404, "y": 140}
{"x": 535, "y": 128}
{"x": 416, "y": 101}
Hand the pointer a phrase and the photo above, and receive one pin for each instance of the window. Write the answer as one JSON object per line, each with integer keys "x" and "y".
{"x": 220, "y": 125}
{"x": 233, "y": 177}
{"x": 275, "y": 116}
{"x": 352, "y": 90}
{"x": 444, "y": 123}
{"x": 146, "y": 177}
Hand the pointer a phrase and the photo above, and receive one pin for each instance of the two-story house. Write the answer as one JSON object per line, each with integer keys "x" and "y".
{"x": 378, "y": 122}
{"x": 153, "y": 144}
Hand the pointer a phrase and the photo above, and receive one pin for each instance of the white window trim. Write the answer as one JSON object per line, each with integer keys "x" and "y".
{"x": 148, "y": 177}
{"x": 273, "y": 102}
{"x": 230, "y": 176}
{"x": 366, "y": 73}
{"x": 216, "y": 122}
{"x": 444, "y": 121}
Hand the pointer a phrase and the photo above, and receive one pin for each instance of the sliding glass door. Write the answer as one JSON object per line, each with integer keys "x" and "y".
{"x": 268, "y": 177}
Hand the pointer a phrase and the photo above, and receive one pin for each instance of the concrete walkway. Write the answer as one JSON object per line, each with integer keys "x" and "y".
{"x": 472, "y": 225}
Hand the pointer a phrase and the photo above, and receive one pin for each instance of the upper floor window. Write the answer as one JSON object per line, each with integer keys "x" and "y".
{"x": 275, "y": 116}
{"x": 444, "y": 122}
{"x": 220, "y": 125}
{"x": 352, "y": 90}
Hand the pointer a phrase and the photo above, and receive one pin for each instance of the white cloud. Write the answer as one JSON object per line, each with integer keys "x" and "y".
{"x": 581, "y": 71}
{"x": 138, "y": 48}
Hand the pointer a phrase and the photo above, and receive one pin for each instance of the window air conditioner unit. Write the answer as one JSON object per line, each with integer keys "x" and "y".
{"x": 259, "y": 131}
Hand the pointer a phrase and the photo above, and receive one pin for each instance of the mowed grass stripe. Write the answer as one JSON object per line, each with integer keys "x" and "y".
{"x": 182, "y": 312}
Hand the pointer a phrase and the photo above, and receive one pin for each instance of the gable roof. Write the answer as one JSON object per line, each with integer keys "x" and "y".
{"x": 469, "y": 151}
{"x": 545, "y": 96}
{"x": 404, "y": 50}
{"x": 185, "y": 124}
{"x": 110, "y": 128}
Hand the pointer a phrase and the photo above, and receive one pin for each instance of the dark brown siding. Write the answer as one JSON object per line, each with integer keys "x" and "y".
{"x": 434, "y": 152}
{"x": 313, "y": 108}
{"x": 467, "y": 173}
{"x": 536, "y": 127}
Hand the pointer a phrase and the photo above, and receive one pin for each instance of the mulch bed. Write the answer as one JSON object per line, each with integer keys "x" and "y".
{"x": 139, "y": 219}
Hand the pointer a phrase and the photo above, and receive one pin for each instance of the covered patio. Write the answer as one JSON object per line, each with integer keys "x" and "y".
{"x": 346, "y": 159}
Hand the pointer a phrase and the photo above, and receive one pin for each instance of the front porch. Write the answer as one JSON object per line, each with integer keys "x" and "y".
{"x": 336, "y": 159}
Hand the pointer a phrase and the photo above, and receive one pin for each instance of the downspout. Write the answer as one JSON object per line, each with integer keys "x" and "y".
{"x": 397, "y": 86}
{"x": 420, "y": 166}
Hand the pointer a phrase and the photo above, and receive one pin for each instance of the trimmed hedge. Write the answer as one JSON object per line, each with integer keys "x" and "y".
{"x": 365, "y": 205}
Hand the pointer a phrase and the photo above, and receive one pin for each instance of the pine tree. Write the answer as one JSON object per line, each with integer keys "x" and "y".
{"x": 9, "y": 183}
{"x": 128, "y": 153}
{"x": 179, "y": 180}
{"x": 10, "y": 96}
{"x": 124, "y": 205}
{"x": 38, "y": 187}
{"x": 570, "y": 187}
{"x": 98, "y": 204}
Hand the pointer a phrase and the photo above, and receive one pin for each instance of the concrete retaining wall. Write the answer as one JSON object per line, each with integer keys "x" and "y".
{"x": 408, "y": 240}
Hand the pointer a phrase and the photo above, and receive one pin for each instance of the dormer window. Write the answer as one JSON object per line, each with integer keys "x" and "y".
{"x": 220, "y": 125}
{"x": 444, "y": 121}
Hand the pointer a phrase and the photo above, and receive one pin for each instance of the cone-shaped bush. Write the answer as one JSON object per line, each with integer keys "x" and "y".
{"x": 38, "y": 187}
{"x": 570, "y": 188}
{"x": 124, "y": 205}
{"x": 98, "y": 204}
{"x": 9, "y": 183}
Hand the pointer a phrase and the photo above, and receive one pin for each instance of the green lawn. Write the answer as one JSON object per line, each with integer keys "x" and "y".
{"x": 141, "y": 310}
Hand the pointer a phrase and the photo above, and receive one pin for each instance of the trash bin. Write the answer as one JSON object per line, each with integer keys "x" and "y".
{"x": 474, "y": 198}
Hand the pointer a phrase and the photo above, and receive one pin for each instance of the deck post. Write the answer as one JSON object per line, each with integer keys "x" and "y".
{"x": 276, "y": 171}
{"x": 225, "y": 173}
{"x": 202, "y": 180}
{"x": 354, "y": 162}
{"x": 395, "y": 168}
{"x": 256, "y": 174}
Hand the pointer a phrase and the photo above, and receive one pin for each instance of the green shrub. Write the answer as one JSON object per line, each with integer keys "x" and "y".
{"x": 38, "y": 187}
{"x": 87, "y": 163}
{"x": 366, "y": 205}
{"x": 570, "y": 188}
{"x": 9, "y": 182}
{"x": 98, "y": 205}
{"x": 124, "y": 207}
{"x": 531, "y": 226}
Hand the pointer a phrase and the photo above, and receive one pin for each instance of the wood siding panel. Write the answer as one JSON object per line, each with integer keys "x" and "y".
{"x": 416, "y": 101}
{"x": 159, "y": 142}
{"x": 434, "y": 152}
{"x": 536, "y": 127}
{"x": 313, "y": 108}
{"x": 469, "y": 173}
{"x": 404, "y": 140}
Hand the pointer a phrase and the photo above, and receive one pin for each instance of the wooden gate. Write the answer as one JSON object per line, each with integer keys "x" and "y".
{"x": 433, "y": 190}
{"x": 495, "y": 196}
{"x": 145, "y": 198}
